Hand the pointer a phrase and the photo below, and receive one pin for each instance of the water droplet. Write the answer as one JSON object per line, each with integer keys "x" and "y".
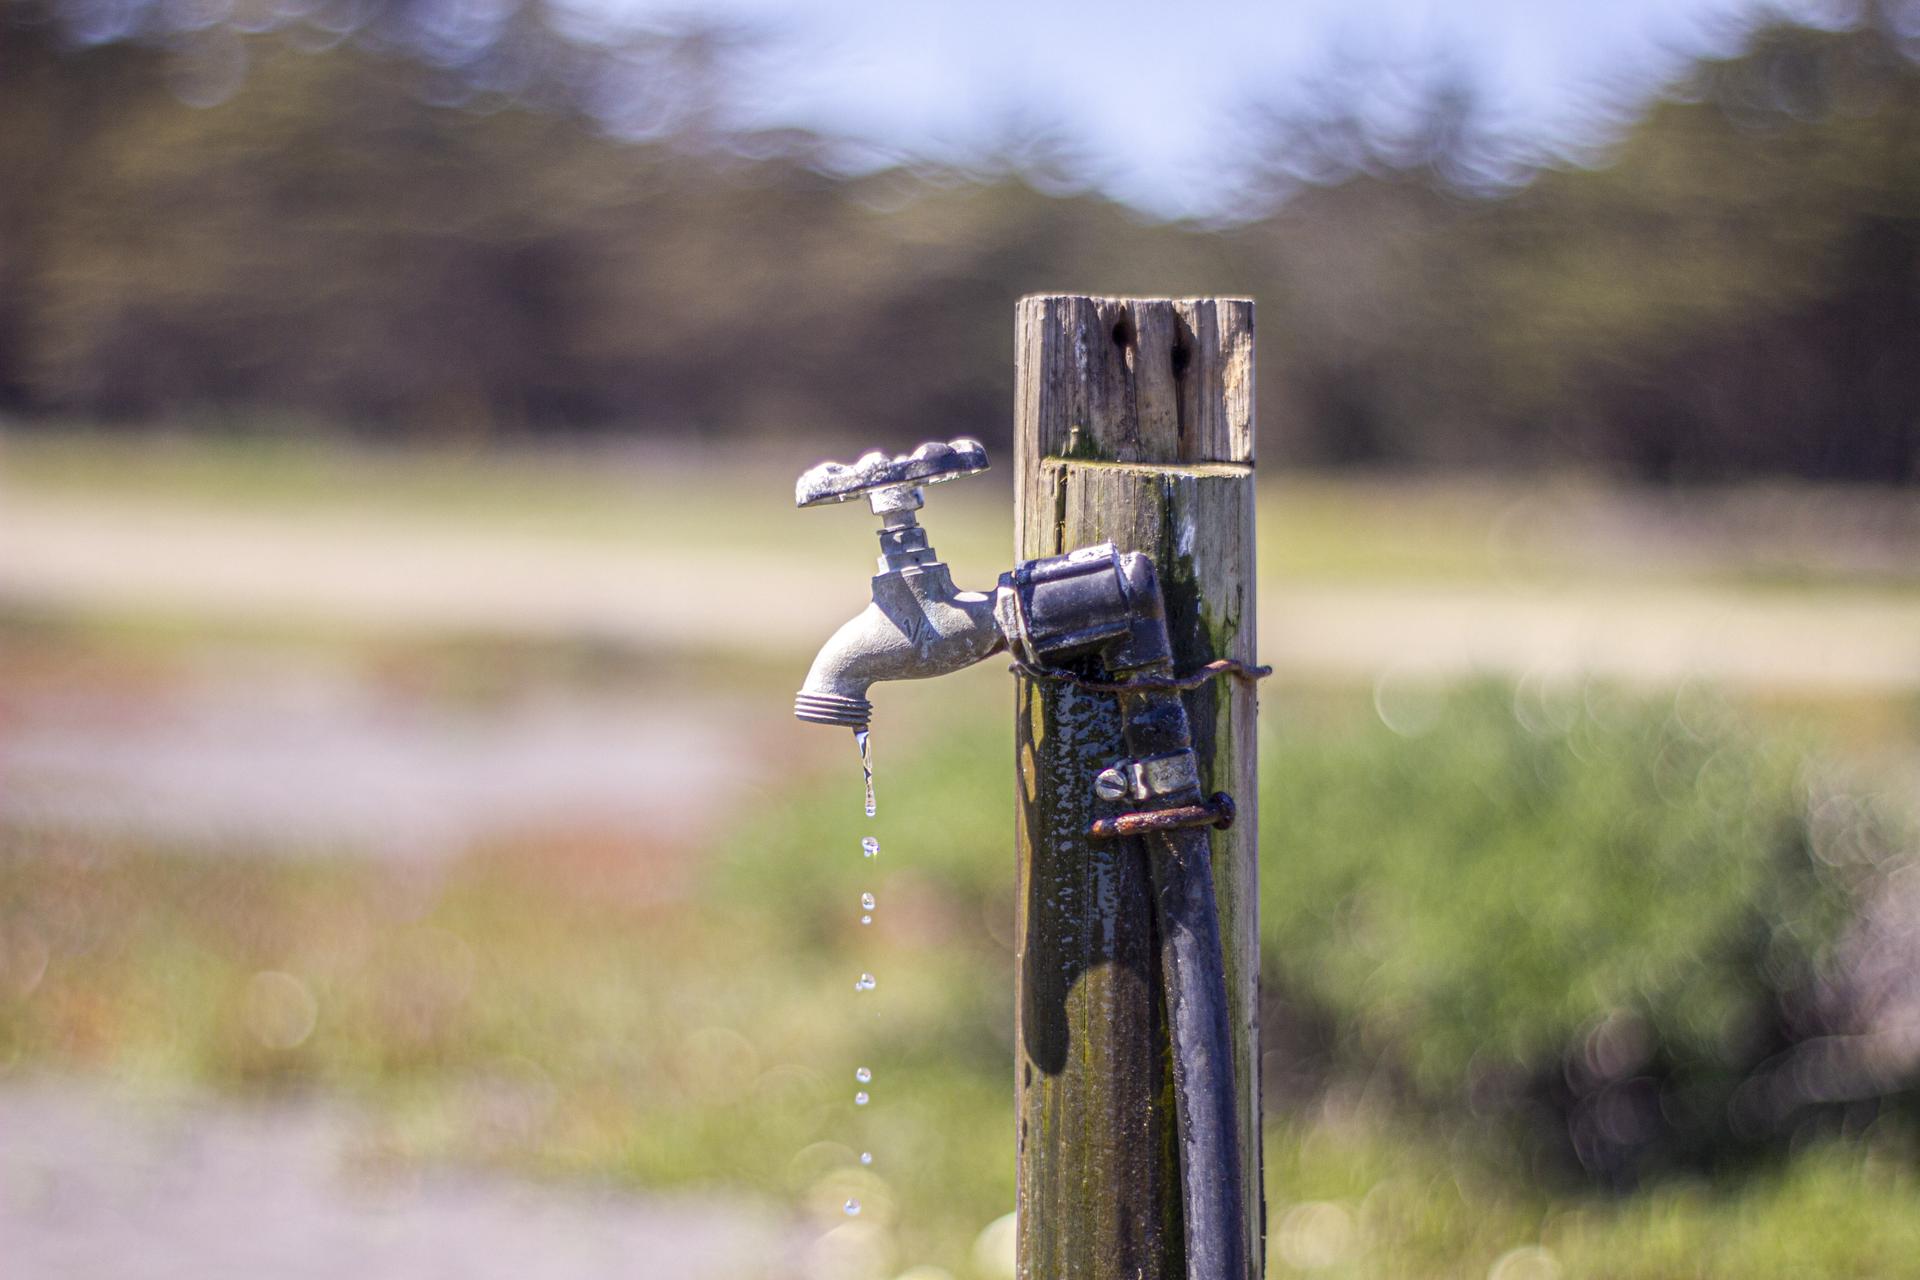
{"x": 866, "y": 1157}
{"x": 866, "y": 901}
{"x": 862, "y": 1075}
{"x": 869, "y": 846}
{"x": 866, "y": 766}
{"x": 860, "y": 1099}
{"x": 853, "y": 1208}
{"x": 866, "y": 919}
{"x": 866, "y": 983}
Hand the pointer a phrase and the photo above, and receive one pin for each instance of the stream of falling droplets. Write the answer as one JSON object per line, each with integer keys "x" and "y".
{"x": 869, "y": 849}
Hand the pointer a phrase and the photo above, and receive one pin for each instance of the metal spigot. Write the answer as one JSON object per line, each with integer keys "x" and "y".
{"x": 917, "y": 624}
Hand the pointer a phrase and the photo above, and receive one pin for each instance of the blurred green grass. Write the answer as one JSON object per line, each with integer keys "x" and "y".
{"x": 1527, "y": 862}
{"x": 1523, "y": 866}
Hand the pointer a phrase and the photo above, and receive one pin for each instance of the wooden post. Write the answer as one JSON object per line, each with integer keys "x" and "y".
{"x": 1134, "y": 423}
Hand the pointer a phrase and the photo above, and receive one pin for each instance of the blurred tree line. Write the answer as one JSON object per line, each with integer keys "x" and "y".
{"x": 433, "y": 218}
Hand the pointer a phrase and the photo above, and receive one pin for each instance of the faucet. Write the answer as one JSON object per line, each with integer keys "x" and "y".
{"x": 917, "y": 623}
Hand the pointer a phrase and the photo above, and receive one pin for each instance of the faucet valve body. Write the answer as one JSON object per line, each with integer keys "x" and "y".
{"x": 1093, "y": 603}
{"x": 903, "y": 543}
{"x": 917, "y": 623}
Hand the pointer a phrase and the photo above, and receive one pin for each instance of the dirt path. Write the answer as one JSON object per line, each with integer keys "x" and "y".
{"x": 1815, "y": 641}
{"x": 249, "y": 748}
{"x": 91, "y": 556}
{"x": 94, "y": 1186}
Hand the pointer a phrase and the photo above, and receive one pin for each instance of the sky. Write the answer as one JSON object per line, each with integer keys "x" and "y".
{"x": 1158, "y": 98}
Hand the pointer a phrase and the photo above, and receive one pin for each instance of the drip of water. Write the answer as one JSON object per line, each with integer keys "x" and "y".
{"x": 869, "y": 848}
{"x": 866, "y": 765}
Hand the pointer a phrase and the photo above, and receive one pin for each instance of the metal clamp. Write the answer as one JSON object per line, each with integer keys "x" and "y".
{"x": 1216, "y": 812}
{"x": 1149, "y": 779}
{"x": 1176, "y": 773}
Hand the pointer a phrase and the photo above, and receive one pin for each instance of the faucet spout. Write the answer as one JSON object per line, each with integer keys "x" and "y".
{"x": 917, "y": 625}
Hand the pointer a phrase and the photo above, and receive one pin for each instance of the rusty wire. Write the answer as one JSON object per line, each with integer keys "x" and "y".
{"x": 1215, "y": 811}
{"x": 1143, "y": 683}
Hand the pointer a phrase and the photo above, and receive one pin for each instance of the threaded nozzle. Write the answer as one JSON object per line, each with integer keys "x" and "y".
{"x": 831, "y": 708}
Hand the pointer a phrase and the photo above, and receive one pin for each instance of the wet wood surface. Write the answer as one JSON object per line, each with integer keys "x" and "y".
{"x": 1134, "y": 423}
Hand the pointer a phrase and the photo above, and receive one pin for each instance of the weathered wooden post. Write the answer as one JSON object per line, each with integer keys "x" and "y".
{"x": 1134, "y": 423}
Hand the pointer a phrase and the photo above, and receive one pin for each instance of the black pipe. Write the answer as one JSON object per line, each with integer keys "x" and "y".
{"x": 1154, "y": 722}
{"x": 1194, "y": 982}
{"x": 1194, "y": 977}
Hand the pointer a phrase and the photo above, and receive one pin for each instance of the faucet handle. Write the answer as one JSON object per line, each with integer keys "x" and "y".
{"x": 875, "y": 474}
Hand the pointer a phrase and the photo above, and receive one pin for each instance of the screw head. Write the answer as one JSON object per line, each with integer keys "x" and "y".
{"x": 1110, "y": 784}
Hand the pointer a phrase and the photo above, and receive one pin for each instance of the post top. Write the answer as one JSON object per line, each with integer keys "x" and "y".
{"x": 1154, "y": 380}
{"x": 1131, "y": 299}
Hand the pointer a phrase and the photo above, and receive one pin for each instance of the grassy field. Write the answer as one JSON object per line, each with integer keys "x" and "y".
{"x": 1312, "y": 526}
{"x": 524, "y": 1009}
{"x": 1464, "y": 891}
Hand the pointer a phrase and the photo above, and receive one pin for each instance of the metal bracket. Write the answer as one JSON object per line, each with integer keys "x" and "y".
{"x": 1177, "y": 773}
{"x": 1149, "y": 779}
